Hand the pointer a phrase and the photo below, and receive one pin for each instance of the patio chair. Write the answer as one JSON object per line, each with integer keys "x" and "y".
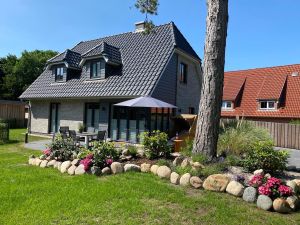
{"x": 100, "y": 136}
{"x": 64, "y": 132}
{"x": 74, "y": 137}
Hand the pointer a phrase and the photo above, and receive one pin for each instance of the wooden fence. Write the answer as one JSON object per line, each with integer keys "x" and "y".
{"x": 13, "y": 113}
{"x": 284, "y": 135}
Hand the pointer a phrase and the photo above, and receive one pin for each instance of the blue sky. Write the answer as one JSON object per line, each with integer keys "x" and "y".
{"x": 261, "y": 32}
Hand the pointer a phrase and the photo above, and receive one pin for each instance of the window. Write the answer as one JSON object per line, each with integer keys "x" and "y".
{"x": 226, "y": 105}
{"x": 60, "y": 72}
{"x": 98, "y": 69}
{"x": 191, "y": 110}
{"x": 267, "y": 105}
{"x": 183, "y": 73}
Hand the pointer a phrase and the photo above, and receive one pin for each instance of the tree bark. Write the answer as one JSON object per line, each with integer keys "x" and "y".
{"x": 207, "y": 130}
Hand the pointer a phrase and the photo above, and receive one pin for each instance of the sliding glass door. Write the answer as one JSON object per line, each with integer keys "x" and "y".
{"x": 54, "y": 117}
{"x": 92, "y": 115}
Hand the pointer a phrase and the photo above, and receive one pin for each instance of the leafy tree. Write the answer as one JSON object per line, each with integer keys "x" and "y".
{"x": 20, "y": 73}
{"x": 207, "y": 130}
{"x": 147, "y": 7}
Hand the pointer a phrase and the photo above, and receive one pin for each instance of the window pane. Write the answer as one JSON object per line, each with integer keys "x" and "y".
{"x": 271, "y": 105}
{"x": 263, "y": 105}
{"x": 228, "y": 104}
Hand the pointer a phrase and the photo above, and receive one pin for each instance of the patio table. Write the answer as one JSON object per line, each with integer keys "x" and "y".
{"x": 86, "y": 136}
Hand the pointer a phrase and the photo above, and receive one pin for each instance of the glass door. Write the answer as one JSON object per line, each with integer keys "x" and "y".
{"x": 92, "y": 115}
{"x": 54, "y": 117}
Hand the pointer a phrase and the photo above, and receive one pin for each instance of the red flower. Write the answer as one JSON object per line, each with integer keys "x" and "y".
{"x": 47, "y": 152}
{"x": 285, "y": 190}
{"x": 87, "y": 162}
{"x": 256, "y": 181}
{"x": 109, "y": 161}
{"x": 264, "y": 190}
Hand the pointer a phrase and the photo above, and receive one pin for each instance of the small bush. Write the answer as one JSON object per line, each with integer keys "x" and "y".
{"x": 164, "y": 162}
{"x": 238, "y": 137}
{"x": 156, "y": 144}
{"x": 104, "y": 153}
{"x": 233, "y": 160}
{"x": 263, "y": 156}
{"x": 211, "y": 169}
{"x": 132, "y": 150}
{"x": 187, "y": 151}
{"x": 194, "y": 172}
{"x": 83, "y": 153}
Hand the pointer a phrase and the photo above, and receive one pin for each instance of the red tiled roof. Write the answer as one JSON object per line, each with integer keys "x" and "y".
{"x": 232, "y": 87}
{"x": 265, "y": 83}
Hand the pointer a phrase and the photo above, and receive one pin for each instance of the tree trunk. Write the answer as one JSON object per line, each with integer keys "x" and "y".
{"x": 207, "y": 131}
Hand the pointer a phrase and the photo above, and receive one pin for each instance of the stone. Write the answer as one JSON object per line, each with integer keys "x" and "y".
{"x": 185, "y": 163}
{"x": 281, "y": 205}
{"x": 31, "y": 161}
{"x": 178, "y": 160}
{"x": 297, "y": 181}
{"x": 37, "y": 162}
{"x": 71, "y": 169}
{"x": 197, "y": 166}
{"x": 65, "y": 166}
{"x": 80, "y": 170}
{"x": 141, "y": 153}
{"x": 132, "y": 168}
{"x": 58, "y": 165}
{"x": 292, "y": 184}
{"x": 128, "y": 158}
{"x": 250, "y": 194}
{"x": 51, "y": 163}
{"x": 174, "y": 178}
{"x": 216, "y": 182}
{"x": 75, "y": 162}
{"x": 125, "y": 152}
{"x": 196, "y": 182}
{"x": 116, "y": 167}
{"x": 235, "y": 169}
{"x": 235, "y": 188}
{"x": 294, "y": 202}
{"x": 96, "y": 170}
{"x": 164, "y": 172}
{"x": 31, "y": 157}
{"x": 145, "y": 167}
{"x": 153, "y": 169}
{"x": 264, "y": 202}
{"x": 44, "y": 164}
{"x": 106, "y": 171}
{"x": 185, "y": 179}
{"x": 267, "y": 175}
{"x": 259, "y": 172}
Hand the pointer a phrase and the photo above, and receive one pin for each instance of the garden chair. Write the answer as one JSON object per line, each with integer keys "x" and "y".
{"x": 101, "y": 136}
{"x": 74, "y": 137}
{"x": 64, "y": 132}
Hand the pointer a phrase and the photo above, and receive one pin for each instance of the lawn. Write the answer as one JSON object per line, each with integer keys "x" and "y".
{"x": 32, "y": 195}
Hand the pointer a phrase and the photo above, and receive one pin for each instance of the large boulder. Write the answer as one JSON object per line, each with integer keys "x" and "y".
{"x": 196, "y": 182}
{"x": 164, "y": 172}
{"x": 294, "y": 202}
{"x": 185, "y": 163}
{"x": 116, "y": 167}
{"x": 44, "y": 164}
{"x": 75, "y": 162}
{"x": 178, "y": 160}
{"x": 132, "y": 167}
{"x": 153, "y": 169}
{"x": 145, "y": 167}
{"x": 174, "y": 178}
{"x": 297, "y": 181}
{"x": 216, "y": 182}
{"x": 250, "y": 194}
{"x": 259, "y": 172}
{"x": 80, "y": 170}
{"x": 235, "y": 188}
{"x": 281, "y": 205}
{"x": 71, "y": 170}
{"x": 264, "y": 202}
{"x": 31, "y": 161}
{"x": 96, "y": 170}
{"x": 51, "y": 163}
{"x": 197, "y": 166}
{"x": 106, "y": 171}
{"x": 37, "y": 161}
{"x": 292, "y": 184}
{"x": 58, "y": 165}
{"x": 185, "y": 179}
{"x": 65, "y": 166}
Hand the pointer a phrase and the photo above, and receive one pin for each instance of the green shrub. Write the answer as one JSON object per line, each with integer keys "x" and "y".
{"x": 104, "y": 153}
{"x": 164, "y": 162}
{"x": 233, "y": 160}
{"x": 187, "y": 151}
{"x": 237, "y": 138}
{"x": 211, "y": 169}
{"x": 188, "y": 169}
{"x": 295, "y": 122}
{"x": 4, "y": 132}
{"x": 156, "y": 144}
{"x": 63, "y": 149}
{"x": 83, "y": 153}
{"x": 132, "y": 150}
{"x": 263, "y": 156}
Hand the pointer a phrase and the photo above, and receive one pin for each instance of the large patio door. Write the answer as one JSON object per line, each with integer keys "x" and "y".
{"x": 54, "y": 117}
{"x": 92, "y": 116}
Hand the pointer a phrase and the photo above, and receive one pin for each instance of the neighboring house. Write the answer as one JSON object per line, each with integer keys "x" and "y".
{"x": 13, "y": 112}
{"x": 264, "y": 94}
{"x": 81, "y": 85}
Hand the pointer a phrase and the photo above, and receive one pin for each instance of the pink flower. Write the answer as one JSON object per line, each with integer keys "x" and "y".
{"x": 87, "y": 162}
{"x": 109, "y": 161}
{"x": 47, "y": 152}
{"x": 273, "y": 182}
{"x": 285, "y": 190}
{"x": 264, "y": 190}
{"x": 256, "y": 181}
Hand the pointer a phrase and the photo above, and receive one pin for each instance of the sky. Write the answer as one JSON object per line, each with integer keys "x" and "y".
{"x": 261, "y": 33}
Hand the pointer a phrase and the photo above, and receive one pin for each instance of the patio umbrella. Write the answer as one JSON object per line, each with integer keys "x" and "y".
{"x": 146, "y": 102}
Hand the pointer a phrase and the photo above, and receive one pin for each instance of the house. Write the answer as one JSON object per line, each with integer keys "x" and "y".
{"x": 266, "y": 94}
{"x": 82, "y": 84}
{"x": 13, "y": 112}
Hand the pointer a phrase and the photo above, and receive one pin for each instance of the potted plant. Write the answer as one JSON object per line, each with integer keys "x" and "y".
{"x": 80, "y": 127}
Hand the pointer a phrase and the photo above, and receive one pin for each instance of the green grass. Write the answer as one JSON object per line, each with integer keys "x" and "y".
{"x": 32, "y": 195}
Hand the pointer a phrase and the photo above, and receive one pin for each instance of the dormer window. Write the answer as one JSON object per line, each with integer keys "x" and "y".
{"x": 97, "y": 69}
{"x": 267, "y": 105}
{"x": 60, "y": 72}
{"x": 227, "y": 105}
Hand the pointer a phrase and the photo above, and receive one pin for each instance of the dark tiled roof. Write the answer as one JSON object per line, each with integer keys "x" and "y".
{"x": 70, "y": 57}
{"x": 143, "y": 60}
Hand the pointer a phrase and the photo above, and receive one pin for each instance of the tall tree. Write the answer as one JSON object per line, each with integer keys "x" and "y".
{"x": 207, "y": 130}
{"x": 147, "y": 7}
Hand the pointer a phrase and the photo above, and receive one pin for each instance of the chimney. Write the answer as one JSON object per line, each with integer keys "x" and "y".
{"x": 140, "y": 26}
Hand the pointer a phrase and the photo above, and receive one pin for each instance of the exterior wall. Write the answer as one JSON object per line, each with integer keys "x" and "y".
{"x": 71, "y": 113}
{"x": 39, "y": 116}
{"x": 188, "y": 95}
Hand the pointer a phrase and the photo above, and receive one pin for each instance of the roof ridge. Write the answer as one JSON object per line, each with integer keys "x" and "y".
{"x": 258, "y": 68}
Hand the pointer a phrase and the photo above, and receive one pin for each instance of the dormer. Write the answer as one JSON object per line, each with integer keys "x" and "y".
{"x": 64, "y": 66}
{"x": 101, "y": 60}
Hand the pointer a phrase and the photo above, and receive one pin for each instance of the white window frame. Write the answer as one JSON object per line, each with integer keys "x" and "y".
{"x": 225, "y": 105}
{"x": 268, "y": 102}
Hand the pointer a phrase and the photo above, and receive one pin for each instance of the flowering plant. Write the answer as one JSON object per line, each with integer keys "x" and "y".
{"x": 256, "y": 181}
{"x": 47, "y": 152}
{"x": 87, "y": 161}
{"x": 109, "y": 161}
